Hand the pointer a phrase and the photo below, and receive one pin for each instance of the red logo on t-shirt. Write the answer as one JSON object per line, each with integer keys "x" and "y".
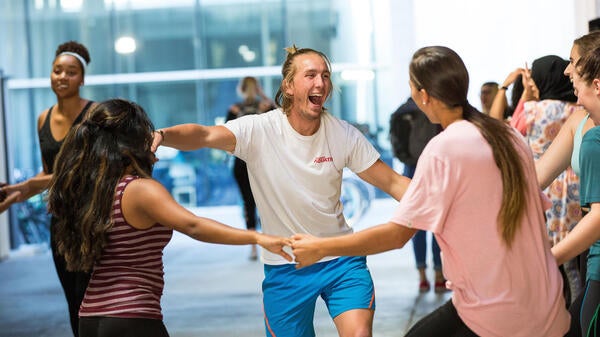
{"x": 322, "y": 159}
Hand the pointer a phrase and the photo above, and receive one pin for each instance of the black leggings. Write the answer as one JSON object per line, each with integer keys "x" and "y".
{"x": 240, "y": 172}
{"x": 444, "y": 321}
{"x": 585, "y": 310}
{"x": 121, "y": 327}
{"x": 74, "y": 284}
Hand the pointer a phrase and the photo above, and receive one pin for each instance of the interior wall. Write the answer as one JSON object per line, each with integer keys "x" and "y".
{"x": 494, "y": 38}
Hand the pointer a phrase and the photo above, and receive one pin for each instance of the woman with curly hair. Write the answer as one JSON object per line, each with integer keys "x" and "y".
{"x": 113, "y": 219}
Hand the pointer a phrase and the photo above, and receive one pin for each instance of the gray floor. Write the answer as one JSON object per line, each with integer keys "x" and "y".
{"x": 210, "y": 290}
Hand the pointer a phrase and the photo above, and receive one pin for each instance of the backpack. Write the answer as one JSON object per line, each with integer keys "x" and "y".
{"x": 410, "y": 131}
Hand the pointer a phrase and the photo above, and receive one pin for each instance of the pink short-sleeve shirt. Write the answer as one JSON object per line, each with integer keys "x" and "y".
{"x": 456, "y": 193}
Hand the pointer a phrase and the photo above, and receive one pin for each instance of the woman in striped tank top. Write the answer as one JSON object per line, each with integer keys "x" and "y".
{"x": 102, "y": 183}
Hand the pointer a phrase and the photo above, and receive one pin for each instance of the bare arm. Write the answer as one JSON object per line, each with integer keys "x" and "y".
{"x": 499, "y": 105}
{"x": 187, "y": 137}
{"x": 500, "y": 102}
{"x": 26, "y": 189}
{"x": 580, "y": 238}
{"x": 32, "y": 186}
{"x": 7, "y": 201}
{"x": 385, "y": 178}
{"x": 309, "y": 249}
{"x": 146, "y": 202}
{"x": 557, "y": 157}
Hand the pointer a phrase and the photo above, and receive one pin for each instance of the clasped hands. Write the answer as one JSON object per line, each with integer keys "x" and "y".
{"x": 8, "y": 196}
{"x": 306, "y": 249}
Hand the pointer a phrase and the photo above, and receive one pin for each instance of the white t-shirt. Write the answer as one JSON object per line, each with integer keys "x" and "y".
{"x": 456, "y": 193}
{"x": 296, "y": 180}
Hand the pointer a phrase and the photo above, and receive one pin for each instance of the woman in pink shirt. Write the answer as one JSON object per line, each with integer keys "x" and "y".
{"x": 475, "y": 188}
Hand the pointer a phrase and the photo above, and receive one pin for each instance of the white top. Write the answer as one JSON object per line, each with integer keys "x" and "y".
{"x": 296, "y": 180}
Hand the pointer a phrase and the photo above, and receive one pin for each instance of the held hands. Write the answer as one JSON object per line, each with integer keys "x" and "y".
{"x": 8, "y": 196}
{"x": 306, "y": 249}
{"x": 275, "y": 244}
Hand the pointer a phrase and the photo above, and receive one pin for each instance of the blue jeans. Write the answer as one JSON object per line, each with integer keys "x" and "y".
{"x": 420, "y": 248}
{"x": 409, "y": 170}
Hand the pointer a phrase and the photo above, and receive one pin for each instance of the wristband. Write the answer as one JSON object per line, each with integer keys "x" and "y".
{"x": 503, "y": 88}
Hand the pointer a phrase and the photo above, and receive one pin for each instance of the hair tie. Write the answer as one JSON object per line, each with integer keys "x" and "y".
{"x": 77, "y": 56}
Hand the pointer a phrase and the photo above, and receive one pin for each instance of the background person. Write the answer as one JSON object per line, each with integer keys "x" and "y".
{"x": 253, "y": 102}
{"x": 487, "y": 94}
{"x": 563, "y": 152}
{"x": 66, "y": 78}
{"x": 543, "y": 117}
{"x": 586, "y": 235}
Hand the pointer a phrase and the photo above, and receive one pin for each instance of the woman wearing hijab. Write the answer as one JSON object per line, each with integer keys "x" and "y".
{"x": 548, "y": 101}
{"x": 544, "y": 118}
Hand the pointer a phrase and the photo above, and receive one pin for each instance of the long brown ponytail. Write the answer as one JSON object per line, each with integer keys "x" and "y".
{"x": 442, "y": 73}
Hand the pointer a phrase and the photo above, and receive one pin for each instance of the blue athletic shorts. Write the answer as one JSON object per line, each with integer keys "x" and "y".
{"x": 290, "y": 294}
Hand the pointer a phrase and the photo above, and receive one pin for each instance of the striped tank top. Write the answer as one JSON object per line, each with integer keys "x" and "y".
{"x": 128, "y": 281}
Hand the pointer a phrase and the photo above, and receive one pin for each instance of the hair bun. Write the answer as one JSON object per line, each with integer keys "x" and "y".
{"x": 292, "y": 50}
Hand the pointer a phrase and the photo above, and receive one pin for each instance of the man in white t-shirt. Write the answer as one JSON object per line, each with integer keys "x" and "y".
{"x": 295, "y": 156}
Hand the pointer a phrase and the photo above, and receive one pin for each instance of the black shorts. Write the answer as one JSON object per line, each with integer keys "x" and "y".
{"x": 100, "y": 326}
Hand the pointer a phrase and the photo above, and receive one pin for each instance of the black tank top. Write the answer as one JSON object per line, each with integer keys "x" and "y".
{"x": 50, "y": 146}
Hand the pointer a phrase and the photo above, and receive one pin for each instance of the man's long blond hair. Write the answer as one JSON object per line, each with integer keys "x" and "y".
{"x": 288, "y": 71}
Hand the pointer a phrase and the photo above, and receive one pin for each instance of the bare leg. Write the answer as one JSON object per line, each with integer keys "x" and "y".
{"x": 355, "y": 323}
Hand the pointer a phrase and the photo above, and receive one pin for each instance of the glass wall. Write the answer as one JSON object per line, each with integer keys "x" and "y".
{"x": 190, "y": 54}
{"x": 188, "y": 58}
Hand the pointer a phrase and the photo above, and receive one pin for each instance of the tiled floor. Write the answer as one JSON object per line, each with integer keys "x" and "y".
{"x": 210, "y": 290}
